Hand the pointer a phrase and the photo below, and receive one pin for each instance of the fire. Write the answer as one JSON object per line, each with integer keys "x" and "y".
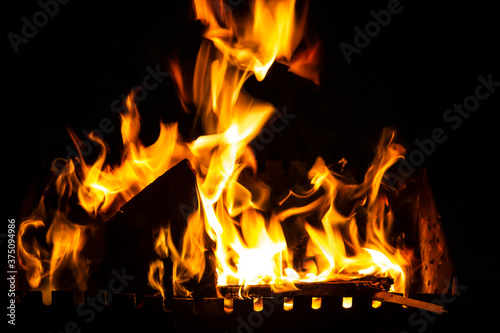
{"x": 99, "y": 189}
{"x": 232, "y": 219}
{"x": 64, "y": 238}
{"x": 104, "y": 188}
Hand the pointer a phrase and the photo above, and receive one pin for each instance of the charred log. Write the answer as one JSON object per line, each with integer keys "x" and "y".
{"x": 129, "y": 237}
{"x": 358, "y": 287}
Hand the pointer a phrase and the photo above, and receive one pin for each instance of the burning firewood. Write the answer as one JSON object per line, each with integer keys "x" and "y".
{"x": 375, "y": 287}
{"x": 128, "y": 235}
{"x": 175, "y": 232}
{"x": 347, "y": 288}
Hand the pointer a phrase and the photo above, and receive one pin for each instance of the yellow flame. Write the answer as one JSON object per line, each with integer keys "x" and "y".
{"x": 232, "y": 218}
{"x": 30, "y": 258}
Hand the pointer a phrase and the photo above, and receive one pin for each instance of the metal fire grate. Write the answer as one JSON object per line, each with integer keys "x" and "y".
{"x": 123, "y": 312}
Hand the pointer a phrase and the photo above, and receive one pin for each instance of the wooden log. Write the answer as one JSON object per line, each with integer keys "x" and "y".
{"x": 345, "y": 288}
{"x": 128, "y": 238}
{"x": 437, "y": 266}
{"x": 418, "y": 220}
{"x": 383, "y": 296}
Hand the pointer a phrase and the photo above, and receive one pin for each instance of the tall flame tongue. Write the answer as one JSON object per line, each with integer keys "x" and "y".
{"x": 250, "y": 244}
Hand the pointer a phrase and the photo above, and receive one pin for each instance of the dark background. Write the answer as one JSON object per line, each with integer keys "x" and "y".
{"x": 424, "y": 61}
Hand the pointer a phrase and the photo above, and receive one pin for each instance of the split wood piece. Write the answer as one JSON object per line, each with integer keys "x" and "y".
{"x": 346, "y": 288}
{"x": 384, "y": 296}
{"x": 437, "y": 266}
{"x": 128, "y": 235}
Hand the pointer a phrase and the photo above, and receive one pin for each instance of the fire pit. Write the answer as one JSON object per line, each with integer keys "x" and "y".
{"x": 191, "y": 234}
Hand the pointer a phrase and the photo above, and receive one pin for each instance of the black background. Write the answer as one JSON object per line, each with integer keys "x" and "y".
{"x": 424, "y": 61}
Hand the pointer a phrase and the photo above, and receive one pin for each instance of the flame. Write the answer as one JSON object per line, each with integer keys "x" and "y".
{"x": 63, "y": 238}
{"x": 31, "y": 260}
{"x": 232, "y": 219}
{"x": 272, "y": 32}
{"x": 105, "y": 188}
{"x": 100, "y": 190}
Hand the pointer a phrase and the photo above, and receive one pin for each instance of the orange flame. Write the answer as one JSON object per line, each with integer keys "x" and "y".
{"x": 248, "y": 241}
{"x": 104, "y": 188}
{"x": 64, "y": 238}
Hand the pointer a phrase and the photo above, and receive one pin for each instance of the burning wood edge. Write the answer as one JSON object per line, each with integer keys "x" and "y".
{"x": 376, "y": 287}
{"x": 359, "y": 287}
{"x": 384, "y": 296}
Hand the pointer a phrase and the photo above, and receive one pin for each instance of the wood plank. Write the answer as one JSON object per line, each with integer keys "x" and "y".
{"x": 383, "y": 296}
{"x": 345, "y": 288}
